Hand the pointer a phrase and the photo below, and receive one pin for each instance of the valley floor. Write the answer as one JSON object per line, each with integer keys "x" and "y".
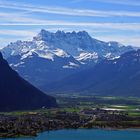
{"x": 73, "y": 112}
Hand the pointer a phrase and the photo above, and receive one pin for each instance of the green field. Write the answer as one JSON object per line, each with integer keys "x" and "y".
{"x": 76, "y": 103}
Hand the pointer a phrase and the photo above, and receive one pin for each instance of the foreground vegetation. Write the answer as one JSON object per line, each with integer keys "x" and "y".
{"x": 73, "y": 112}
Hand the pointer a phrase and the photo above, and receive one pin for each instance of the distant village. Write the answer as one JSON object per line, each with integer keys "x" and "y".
{"x": 32, "y": 123}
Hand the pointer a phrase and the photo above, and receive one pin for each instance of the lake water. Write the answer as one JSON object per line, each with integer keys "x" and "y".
{"x": 86, "y": 134}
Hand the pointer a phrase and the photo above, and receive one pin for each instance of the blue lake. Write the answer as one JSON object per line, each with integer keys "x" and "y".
{"x": 86, "y": 134}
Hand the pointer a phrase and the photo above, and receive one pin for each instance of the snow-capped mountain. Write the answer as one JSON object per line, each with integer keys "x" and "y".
{"x": 41, "y": 68}
{"x": 51, "y": 56}
{"x": 27, "y": 48}
{"x": 80, "y": 45}
{"x": 116, "y": 77}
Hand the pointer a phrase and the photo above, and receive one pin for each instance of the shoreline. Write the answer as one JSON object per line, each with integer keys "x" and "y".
{"x": 106, "y": 129}
{"x": 16, "y": 126}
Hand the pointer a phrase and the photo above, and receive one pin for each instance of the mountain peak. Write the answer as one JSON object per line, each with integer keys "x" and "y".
{"x": 83, "y": 33}
{"x": 51, "y": 56}
{"x": 43, "y": 34}
{"x": 74, "y": 43}
{"x": 47, "y": 35}
{"x": 60, "y": 32}
{"x": 43, "y": 31}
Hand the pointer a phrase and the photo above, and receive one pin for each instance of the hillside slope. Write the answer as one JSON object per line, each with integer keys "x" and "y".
{"x": 116, "y": 77}
{"x": 18, "y": 94}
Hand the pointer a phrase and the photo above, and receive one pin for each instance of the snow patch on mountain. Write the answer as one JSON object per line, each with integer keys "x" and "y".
{"x": 87, "y": 55}
{"x": 71, "y": 65}
{"x": 18, "y": 64}
{"x": 79, "y": 45}
{"x": 27, "y": 54}
{"x": 117, "y": 57}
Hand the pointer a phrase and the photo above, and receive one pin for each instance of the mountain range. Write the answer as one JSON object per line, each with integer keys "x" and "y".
{"x": 18, "y": 94}
{"x": 115, "y": 77}
{"x": 51, "y": 57}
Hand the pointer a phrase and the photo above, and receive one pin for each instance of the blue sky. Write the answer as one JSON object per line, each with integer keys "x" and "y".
{"x": 107, "y": 20}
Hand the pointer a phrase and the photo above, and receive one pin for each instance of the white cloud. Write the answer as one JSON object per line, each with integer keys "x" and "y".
{"x": 120, "y": 2}
{"x": 21, "y": 33}
{"x": 68, "y": 11}
{"x": 13, "y": 19}
{"x": 19, "y": 18}
{"x": 114, "y": 26}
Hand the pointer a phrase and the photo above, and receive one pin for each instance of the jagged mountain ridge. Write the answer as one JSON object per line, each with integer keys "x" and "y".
{"x": 80, "y": 45}
{"x": 50, "y": 57}
{"x": 18, "y": 94}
